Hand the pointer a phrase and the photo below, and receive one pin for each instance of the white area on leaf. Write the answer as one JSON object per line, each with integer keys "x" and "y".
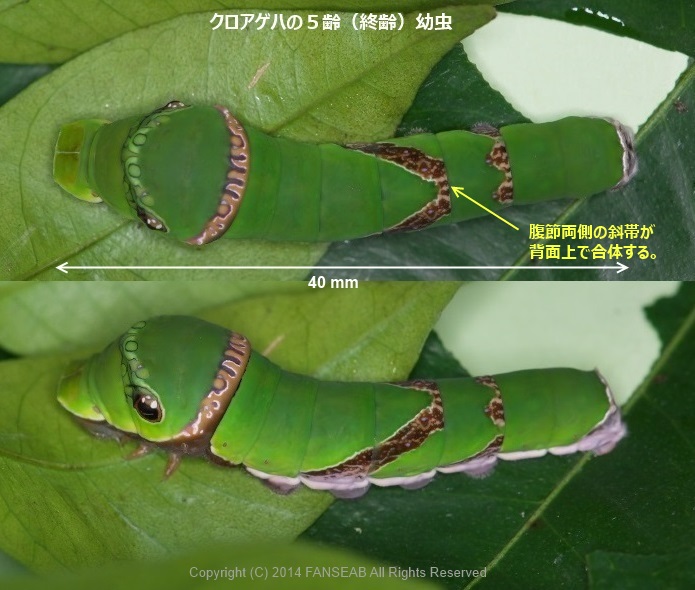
{"x": 549, "y": 69}
{"x": 500, "y": 327}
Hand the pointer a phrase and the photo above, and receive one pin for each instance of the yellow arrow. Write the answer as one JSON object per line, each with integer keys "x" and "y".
{"x": 458, "y": 191}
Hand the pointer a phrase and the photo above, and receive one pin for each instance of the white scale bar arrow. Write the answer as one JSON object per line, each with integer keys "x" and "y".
{"x": 619, "y": 267}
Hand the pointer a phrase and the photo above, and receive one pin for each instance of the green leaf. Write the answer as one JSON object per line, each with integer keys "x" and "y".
{"x": 380, "y": 341}
{"x": 40, "y": 318}
{"x": 628, "y": 18}
{"x": 6, "y": 354}
{"x": 264, "y": 566}
{"x": 308, "y": 90}
{"x": 661, "y": 195}
{"x": 14, "y": 78}
{"x": 537, "y": 524}
{"x": 43, "y": 31}
{"x": 9, "y": 567}
{"x": 634, "y": 572}
{"x": 56, "y": 477}
{"x": 436, "y": 360}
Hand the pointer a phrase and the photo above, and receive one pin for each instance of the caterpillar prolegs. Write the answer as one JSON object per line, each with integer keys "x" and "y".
{"x": 197, "y": 173}
{"x": 219, "y": 398}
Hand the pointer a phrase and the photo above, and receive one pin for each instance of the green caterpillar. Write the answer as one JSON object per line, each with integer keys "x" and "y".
{"x": 197, "y": 173}
{"x": 217, "y": 397}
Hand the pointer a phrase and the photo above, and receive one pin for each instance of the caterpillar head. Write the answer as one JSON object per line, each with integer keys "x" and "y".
{"x": 167, "y": 379}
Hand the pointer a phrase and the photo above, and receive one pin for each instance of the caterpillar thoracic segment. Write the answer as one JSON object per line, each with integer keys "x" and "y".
{"x": 199, "y": 174}
{"x": 217, "y": 397}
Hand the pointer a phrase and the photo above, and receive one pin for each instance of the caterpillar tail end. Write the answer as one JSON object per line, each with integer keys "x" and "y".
{"x": 605, "y": 435}
{"x": 630, "y": 162}
{"x": 611, "y": 430}
{"x": 71, "y": 157}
